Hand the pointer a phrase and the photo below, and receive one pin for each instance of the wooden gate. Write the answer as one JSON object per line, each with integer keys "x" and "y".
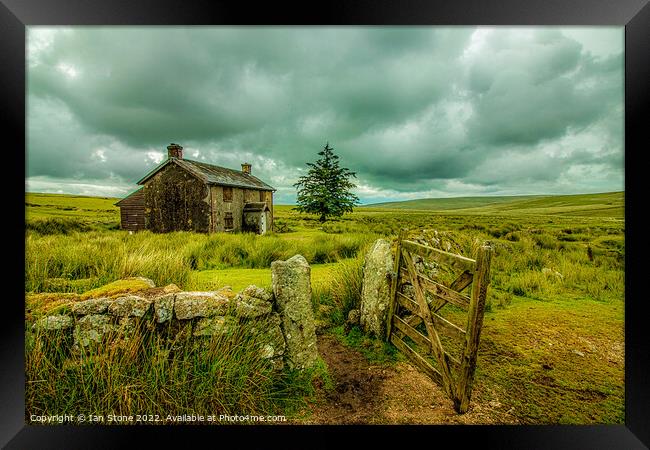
{"x": 408, "y": 311}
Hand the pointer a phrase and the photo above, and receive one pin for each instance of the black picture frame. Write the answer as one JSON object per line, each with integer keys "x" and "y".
{"x": 15, "y": 15}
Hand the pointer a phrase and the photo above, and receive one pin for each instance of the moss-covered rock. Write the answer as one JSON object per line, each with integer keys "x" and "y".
{"x": 353, "y": 320}
{"x": 227, "y": 292}
{"x": 171, "y": 289}
{"x": 119, "y": 288}
{"x": 66, "y": 285}
{"x": 257, "y": 292}
{"x": 325, "y": 311}
{"x": 47, "y": 304}
{"x": 269, "y": 338}
{"x": 145, "y": 280}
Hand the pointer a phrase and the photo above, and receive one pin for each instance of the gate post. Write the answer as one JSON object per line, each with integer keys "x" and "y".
{"x": 474, "y": 325}
{"x": 394, "y": 283}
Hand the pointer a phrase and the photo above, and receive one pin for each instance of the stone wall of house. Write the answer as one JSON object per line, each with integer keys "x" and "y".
{"x": 234, "y": 207}
{"x": 176, "y": 200}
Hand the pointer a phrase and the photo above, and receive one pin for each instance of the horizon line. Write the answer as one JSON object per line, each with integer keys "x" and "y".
{"x": 382, "y": 202}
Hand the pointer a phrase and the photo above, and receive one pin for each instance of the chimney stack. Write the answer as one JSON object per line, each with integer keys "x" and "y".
{"x": 246, "y": 168}
{"x": 174, "y": 151}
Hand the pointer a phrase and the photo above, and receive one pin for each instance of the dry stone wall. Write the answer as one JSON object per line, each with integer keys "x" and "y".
{"x": 283, "y": 318}
{"x": 284, "y": 321}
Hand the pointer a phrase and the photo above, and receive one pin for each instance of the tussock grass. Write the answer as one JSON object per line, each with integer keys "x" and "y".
{"x": 254, "y": 251}
{"x": 223, "y": 374}
{"x": 345, "y": 286}
{"x": 557, "y": 272}
{"x": 102, "y": 257}
{"x": 56, "y": 226}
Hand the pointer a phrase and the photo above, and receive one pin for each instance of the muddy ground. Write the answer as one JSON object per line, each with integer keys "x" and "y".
{"x": 364, "y": 393}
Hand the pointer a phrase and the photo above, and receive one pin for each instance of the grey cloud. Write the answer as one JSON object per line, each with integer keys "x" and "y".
{"x": 407, "y": 108}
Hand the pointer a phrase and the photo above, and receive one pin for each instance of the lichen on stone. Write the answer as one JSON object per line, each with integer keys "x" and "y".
{"x": 51, "y": 323}
{"x": 189, "y": 305}
{"x": 218, "y": 325}
{"x": 292, "y": 292}
{"x": 91, "y": 329}
{"x": 92, "y": 306}
{"x": 375, "y": 293}
{"x": 130, "y": 306}
{"x": 164, "y": 307}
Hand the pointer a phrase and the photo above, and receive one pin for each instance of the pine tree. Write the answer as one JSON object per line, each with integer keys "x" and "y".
{"x": 325, "y": 190}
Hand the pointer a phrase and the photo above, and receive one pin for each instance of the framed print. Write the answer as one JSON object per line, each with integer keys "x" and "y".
{"x": 358, "y": 217}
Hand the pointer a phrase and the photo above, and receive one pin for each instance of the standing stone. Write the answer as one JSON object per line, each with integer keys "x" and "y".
{"x": 375, "y": 293}
{"x": 292, "y": 291}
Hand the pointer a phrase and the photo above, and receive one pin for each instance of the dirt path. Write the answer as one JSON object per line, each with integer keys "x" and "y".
{"x": 378, "y": 394}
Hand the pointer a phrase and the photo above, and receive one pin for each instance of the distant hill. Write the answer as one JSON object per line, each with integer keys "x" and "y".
{"x": 65, "y": 206}
{"x": 610, "y": 204}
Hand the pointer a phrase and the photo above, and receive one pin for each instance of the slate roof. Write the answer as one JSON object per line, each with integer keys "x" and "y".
{"x": 135, "y": 198}
{"x": 212, "y": 174}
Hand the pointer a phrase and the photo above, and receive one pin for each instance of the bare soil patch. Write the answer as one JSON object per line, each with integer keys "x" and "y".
{"x": 364, "y": 393}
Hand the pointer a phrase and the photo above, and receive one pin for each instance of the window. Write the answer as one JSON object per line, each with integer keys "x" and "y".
{"x": 227, "y": 194}
{"x": 228, "y": 221}
{"x": 262, "y": 196}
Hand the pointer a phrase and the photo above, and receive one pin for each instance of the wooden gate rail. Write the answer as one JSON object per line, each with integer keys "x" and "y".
{"x": 454, "y": 375}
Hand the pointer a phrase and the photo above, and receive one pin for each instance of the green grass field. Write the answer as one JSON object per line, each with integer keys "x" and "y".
{"x": 238, "y": 278}
{"x": 90, "y": 210}
{"x": 602, "y": 205}
{"x": 552, "y": 347}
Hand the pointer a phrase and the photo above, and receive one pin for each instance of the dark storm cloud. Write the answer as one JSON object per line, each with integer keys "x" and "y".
{"x": 444, "y": 111}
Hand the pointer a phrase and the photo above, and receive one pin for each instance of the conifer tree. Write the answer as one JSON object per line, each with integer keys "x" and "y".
{"x": 325, "y": 190}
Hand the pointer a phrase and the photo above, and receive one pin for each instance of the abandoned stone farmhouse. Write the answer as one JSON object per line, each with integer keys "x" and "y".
{"x": 185, "y": 195}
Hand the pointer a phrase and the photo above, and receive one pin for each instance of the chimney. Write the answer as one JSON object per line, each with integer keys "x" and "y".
{"x": 246, "y": 168}
{"x": 174, "y": 151}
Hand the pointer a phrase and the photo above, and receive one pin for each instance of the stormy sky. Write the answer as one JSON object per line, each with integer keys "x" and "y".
{"x": 415, "y": 111}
